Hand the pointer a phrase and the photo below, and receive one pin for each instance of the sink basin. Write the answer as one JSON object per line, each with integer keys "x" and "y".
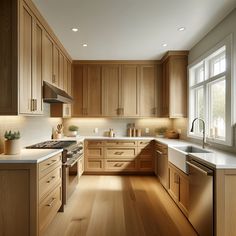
{"x": 191, "y": 149}
{"x": 178, "y": 155}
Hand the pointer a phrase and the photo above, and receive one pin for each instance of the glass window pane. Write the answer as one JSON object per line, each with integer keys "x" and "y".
{"x": 197, "y": 74}
{"x": 217, "y": 109}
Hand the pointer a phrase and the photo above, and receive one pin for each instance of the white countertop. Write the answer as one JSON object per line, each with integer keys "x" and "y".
{"x": 29, "y": 156}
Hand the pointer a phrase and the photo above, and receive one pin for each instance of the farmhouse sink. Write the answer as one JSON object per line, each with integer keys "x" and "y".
{"x": 178, "y": 155}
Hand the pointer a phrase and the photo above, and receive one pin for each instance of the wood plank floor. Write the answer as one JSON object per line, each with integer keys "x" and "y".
{"x": 120, "y": 206}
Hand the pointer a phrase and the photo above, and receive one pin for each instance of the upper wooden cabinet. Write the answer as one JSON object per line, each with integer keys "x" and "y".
{"x": 174, "y": 84}
{"x": 111, "y": 76}
{"x": 30, "y": 53}
{"x": 148, "y": 91}
{"x": 115, "y": 90}
{"x": 30, "y": 82}
{"x": 130, "y": 90}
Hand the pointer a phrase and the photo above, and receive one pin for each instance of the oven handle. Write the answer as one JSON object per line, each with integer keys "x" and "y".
{"x": 71, "y": 164}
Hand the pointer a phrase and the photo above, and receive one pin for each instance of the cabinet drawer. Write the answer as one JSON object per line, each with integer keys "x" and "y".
{"x": 94, "y": 165}
{"x": 145, "y": 152}
{"x": 146, "y": 164}
{"x": 48, "y": 182}
{"x": 94, "y": 152}
{"x": 121, "y": 165}
{"x": 94, "y": 143}
{"x": 120, "y": 143}
{"x": 49, "y": 207}
{"x": 48, "y": 165}
{"x": 120, "y": 152}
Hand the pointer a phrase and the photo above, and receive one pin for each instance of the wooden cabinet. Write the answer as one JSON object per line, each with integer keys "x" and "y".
{"x": 148, "y": 91}
{"x": 69, "y": 78}
{"x": 30, "y": 196}
{"x": 130, "y": 90}
{"x": 162, "y": 163}
{"x": 30, "y": 83}
{"x": 119, "y": 156}
{"x": 116, "y": 90}
{"x": 174, "y": 84}
{"x": 111, "y": 76}
{"x": 29, "y": 54}
{"x": 179, "y": 188}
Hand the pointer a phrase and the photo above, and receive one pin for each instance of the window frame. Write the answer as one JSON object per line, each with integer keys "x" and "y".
{"x": 206, "y": 59}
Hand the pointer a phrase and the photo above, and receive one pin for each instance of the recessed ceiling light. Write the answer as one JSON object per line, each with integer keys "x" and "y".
{"x": 164, "y": 44}
{"x": 85, "y": 45}
{"x": 74, "y": 29}
{"x": 181, "y": 29}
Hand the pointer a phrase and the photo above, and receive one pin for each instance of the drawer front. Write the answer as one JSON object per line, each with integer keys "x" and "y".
{"x": 145, "y": 152}
{"x": 146, "y": 164}
{"x": 49, "y": 207}
{"x": 48, "y": 182}
{"x": 48, "y": 165}
{"x": 120, "y": 165}
{"x": 94, "y": 165}
{"x": 120, "y": 143}
{"x": 120, "y": 153}
{"x": 144, "y": 143}
{"x": 94, "y": 143}
{"x": 94, "y": 152}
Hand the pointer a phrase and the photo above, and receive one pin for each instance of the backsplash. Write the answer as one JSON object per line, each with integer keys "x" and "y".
{"x": 33, "y": 129}
{"x": 88, "y": 125}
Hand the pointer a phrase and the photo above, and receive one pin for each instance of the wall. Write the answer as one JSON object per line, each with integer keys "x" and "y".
{"x": 32, "y": 129}
{"x": 87, "y": 125}
{"x": 216, "y": 35}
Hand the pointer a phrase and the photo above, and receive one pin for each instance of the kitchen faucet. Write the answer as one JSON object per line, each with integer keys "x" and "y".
{"x": 203, "y": 131}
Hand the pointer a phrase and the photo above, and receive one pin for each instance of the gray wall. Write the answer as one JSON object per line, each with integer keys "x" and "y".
{"x": 216, "y": 35}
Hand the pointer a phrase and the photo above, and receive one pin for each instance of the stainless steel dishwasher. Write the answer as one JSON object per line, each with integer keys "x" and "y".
{"x": 200, "y": 197}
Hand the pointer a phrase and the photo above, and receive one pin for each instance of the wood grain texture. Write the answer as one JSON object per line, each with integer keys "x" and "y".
{"x": 120, "y": 206}
{"x": 8, "y": 58}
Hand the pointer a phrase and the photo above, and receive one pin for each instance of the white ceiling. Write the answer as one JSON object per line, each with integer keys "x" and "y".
{"x": 131, "y": 29}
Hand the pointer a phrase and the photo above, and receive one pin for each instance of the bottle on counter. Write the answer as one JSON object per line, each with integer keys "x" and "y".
{"x": 138, "y": 132}
{"x": 111, "y": 133}
{"x": 129, "y": 132}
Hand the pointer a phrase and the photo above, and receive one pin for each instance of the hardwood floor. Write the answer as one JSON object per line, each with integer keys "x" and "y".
{"x": 120, "y": 206}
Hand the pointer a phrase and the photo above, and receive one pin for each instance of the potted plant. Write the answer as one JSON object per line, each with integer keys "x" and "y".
{"x": 160, "y": 132}
{"x": 73, "y": 130}
{"x": 12, "y": 143}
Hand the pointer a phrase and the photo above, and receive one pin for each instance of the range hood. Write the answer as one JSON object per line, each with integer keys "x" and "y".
{"x": 52, "y": 94}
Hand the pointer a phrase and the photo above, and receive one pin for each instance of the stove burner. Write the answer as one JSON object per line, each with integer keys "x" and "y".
{"x": 52, "y": 145}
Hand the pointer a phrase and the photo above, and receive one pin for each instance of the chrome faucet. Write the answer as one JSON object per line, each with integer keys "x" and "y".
{"x": 203, "y": 131}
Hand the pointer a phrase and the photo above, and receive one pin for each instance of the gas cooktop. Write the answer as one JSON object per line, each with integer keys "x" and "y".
{"x": 52, "y": 145}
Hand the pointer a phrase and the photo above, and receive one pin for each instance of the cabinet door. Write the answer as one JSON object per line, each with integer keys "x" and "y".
{"x": 55, "y": 77}
{"x": 77, "y": 81}
{"x": 111, "y": 94}
{"x": 47, "y": 58}
{"x": 148, "y": 91}
{"x": 65, "y": 75}
{"x": 61, "y": 71}
{"x": 184, "y": 193}
{"x": 174, "y": 184}
{"x": 37, "y": 68}
{"x": 130, "y": 88}
{"x": 69, "y": 89}
{"x": 165, "y": 89}
{"x": 26, "y": 61}
{"x": 178, "y": 87}
{"x": 92, "y": 97}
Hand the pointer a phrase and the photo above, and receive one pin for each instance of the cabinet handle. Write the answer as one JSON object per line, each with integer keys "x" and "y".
{"x": 48, "y": 164}
{"x": 49, "y": 181}
{"x": 31, "y": 104}
{"x": 118, "y": 153}
{"x": 50, "y": 204}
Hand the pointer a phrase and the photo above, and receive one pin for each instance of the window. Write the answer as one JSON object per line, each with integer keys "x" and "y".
{"x": 210, "y": 94}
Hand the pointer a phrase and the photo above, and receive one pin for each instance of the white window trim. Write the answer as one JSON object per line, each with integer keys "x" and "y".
{"x": 230, "y": 89}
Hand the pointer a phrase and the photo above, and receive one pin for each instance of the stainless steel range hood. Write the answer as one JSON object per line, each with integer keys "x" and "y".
{"x": 52, "y": 94}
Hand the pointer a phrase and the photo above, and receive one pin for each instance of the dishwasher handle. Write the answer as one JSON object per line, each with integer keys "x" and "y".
{"x": 197, "y": 167}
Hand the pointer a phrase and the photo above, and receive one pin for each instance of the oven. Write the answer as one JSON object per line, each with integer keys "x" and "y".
{"x": 72, "y": 164}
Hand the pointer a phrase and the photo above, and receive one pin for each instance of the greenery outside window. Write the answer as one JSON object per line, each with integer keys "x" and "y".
{"x": 210, "y": 94}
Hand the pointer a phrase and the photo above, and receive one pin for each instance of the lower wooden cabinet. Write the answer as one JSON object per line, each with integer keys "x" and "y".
{"x": 179, "y": 188}
{"x": 30, "y": 196}
{"x": 118, "y": 156}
